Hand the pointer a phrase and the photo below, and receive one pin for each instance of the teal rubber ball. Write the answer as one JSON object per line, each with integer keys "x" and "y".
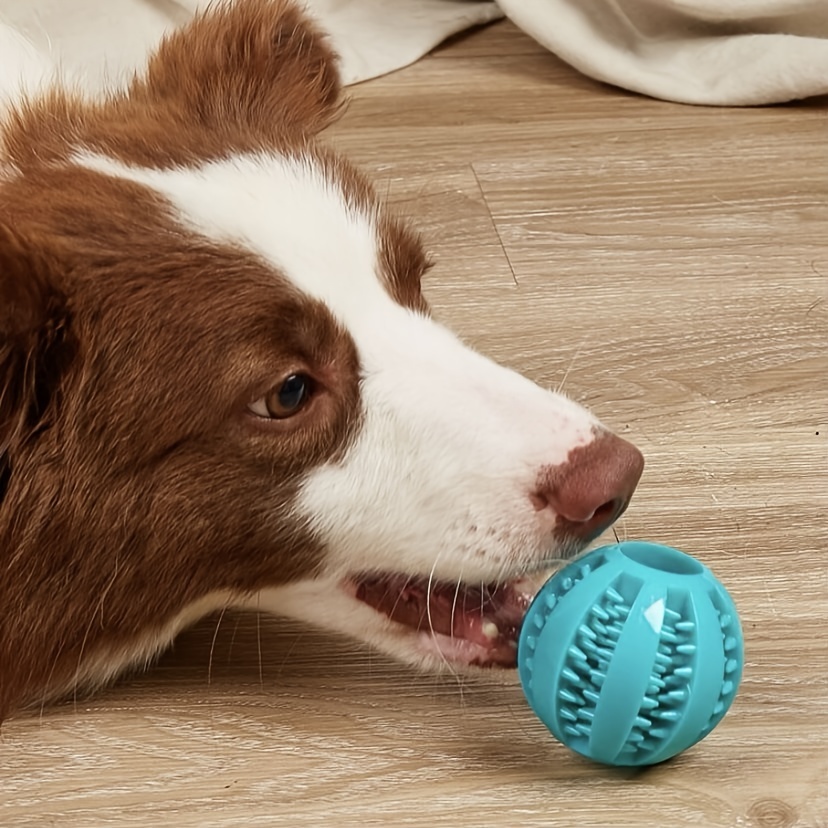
{"x": 631, "y": 653}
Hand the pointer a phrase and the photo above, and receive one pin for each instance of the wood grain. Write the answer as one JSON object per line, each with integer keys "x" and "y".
{"x": 668, "y": 265}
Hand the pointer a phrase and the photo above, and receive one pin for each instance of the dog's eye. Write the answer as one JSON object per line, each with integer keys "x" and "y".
{"x": 284, "y": 400}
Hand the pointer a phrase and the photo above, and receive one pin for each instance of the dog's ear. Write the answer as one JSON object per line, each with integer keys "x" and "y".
{"x": 35, "y": 341}
{"x": 259, "y": 67}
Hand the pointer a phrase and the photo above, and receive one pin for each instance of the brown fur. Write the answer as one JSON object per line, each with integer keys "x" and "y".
{"x": 133, "y": 480}
{"x": 244, "y": 77}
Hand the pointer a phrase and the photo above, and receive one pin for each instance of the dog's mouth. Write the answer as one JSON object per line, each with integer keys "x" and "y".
{"x": 466, "y": 624}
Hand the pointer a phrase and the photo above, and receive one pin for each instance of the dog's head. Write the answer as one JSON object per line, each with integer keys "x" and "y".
{"x": 220, "y": 379}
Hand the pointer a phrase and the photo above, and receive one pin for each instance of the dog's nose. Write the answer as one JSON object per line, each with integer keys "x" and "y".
{"x": 592, "y": 488}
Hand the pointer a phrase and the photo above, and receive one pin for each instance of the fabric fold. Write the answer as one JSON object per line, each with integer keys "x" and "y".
{"x": 726, "y": 53}
{"x": 717, "y": 52}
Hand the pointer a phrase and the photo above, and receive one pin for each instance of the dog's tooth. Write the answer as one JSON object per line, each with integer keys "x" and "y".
{"x": 490, "y": 629}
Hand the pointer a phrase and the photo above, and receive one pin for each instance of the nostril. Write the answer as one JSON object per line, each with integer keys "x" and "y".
{"x": 608, "y": 510}
{"x": 602, "y": 518}
{"x": 574, "y": 508}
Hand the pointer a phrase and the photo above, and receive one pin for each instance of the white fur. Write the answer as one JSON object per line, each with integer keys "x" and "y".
{"x": 440, "y": 477}
{"x": 451, "y": 441}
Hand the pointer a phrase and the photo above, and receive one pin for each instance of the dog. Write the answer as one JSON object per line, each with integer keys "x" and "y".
{"x": 222, "y": 387}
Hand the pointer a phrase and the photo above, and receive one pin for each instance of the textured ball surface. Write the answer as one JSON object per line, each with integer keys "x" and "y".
{"x": 631, "y": 653}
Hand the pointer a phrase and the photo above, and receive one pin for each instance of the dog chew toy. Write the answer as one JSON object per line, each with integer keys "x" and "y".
{"x": 631, "y": 653}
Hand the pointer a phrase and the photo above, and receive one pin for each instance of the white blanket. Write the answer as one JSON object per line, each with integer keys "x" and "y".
{"x": 102, "y": 41}
{"x": 726, "y": 52}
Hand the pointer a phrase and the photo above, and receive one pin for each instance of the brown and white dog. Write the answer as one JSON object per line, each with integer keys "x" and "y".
{"x": 220, "y": 384}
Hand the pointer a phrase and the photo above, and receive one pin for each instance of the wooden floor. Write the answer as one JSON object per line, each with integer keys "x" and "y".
{"x": 665, "y": 264}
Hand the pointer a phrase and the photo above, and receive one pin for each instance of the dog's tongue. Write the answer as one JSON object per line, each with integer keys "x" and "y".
{"x": 488, "y": 616}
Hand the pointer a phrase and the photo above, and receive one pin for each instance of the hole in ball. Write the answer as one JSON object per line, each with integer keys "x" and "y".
{"x": 662, "y": 558}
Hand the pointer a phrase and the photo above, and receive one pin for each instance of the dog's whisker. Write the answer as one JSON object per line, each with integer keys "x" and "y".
{"x": 293, "y": 646}
{"x": 575, "y": 356}
{"x": 98, "y": 609}
{"x": 399, "y": 594}
{"x": 428, "y": 596}
{"x": 213, "y": 647}
{"x": 233, "y": 638}
{"x": 259, "y": 638}
{"x": 428, "y": 615}
{"x": 454, "y": 601}
{"x": 46, "y": 696}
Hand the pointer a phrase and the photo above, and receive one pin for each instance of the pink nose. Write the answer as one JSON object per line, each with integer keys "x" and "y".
{"x": 592, "y": 488}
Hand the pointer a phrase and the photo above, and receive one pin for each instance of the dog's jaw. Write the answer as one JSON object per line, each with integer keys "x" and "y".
{"x": 331, "y": 603}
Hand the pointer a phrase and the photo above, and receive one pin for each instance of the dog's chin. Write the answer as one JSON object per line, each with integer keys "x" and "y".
{"x": 428, "y": 623}
{"x": 450, "y": 622}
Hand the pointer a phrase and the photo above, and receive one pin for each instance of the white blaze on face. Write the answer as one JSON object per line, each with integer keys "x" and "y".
{"x": 451, "y": 444}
